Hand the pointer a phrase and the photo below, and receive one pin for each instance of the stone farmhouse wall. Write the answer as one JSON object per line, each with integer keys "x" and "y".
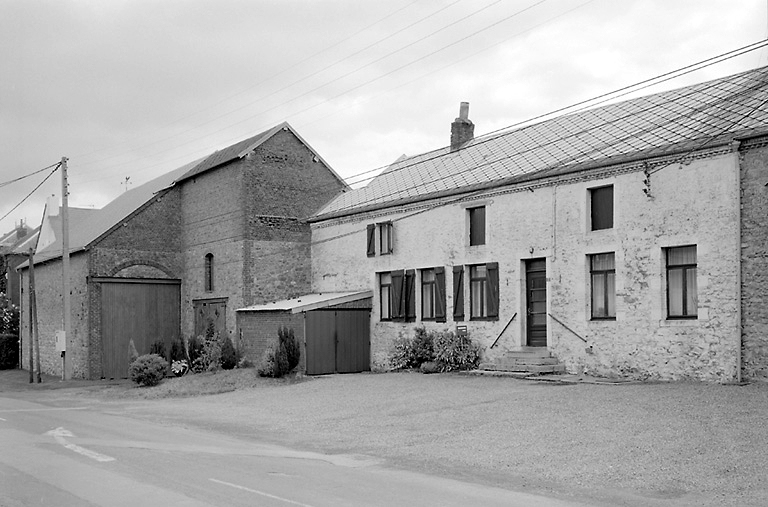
{"x": 686, "y": 203}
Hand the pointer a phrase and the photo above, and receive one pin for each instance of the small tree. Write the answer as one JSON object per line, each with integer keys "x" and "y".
{"x": 292, "y": 349}
{"x": 228, "y": 354}
{"x": 282, "y": 356}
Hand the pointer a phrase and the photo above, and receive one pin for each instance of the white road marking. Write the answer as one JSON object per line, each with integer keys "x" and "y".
{"x": 1, "y": 419}
{"x": 59, "y": 433}
{"x": 243, "y": 488}
{"x": 42, "y": 409}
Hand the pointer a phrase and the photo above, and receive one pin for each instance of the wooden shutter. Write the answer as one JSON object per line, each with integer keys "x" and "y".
{"x": 398, "y": 295}
{"x": 492, "y": 286}
{"x": 440, "y": 294}
{"x": 458, "y": 293}
{"x": 371, "y": 246}
{"x": 410, "y": 295}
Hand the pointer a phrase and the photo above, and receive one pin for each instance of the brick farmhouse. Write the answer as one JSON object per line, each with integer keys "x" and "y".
{"x": 186, "y": 249}
{"x": 625, "y": 240}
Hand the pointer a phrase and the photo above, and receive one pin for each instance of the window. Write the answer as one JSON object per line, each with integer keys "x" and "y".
{"x": 385, "y": 238}
{"x": 484, "y": 291}
{"x": 433, "y": 294}
{"x": 601, "y": 207}
{"x": 603, "y": 273}
{"x": 208, "y": 273}
{"x": 385, "y": 295}
{"x": 682, "y": 297}
{"x": 476, "y": 226}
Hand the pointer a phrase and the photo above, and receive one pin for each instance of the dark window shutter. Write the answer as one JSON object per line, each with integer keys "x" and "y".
{"x": 410, "y": 295}
{"x": 458, "y": 293}
{"x": 371, "y": 247}
{"x": 492, "y": 270}
{"x": 398, "y": 295}
{"x": 440, "y": 294}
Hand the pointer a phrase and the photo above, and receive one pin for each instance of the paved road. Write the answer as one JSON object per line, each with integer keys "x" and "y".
{"x": 57, "y": 453}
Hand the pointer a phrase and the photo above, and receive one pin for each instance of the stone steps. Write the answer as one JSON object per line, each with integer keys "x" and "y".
{"x": 533, "y": 360}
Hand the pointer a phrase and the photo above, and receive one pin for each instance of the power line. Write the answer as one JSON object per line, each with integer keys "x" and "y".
{"x": 32, "y": 192}
{"x": 6, "y": 183}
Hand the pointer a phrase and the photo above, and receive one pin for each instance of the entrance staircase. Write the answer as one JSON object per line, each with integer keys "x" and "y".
{"x": 531, "y": 360}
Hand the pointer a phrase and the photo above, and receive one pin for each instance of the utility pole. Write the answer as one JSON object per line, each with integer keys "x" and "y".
{"x": 33, "y": 331}
{"x": 66, "y": 365}
{"x": 31, "y": 319}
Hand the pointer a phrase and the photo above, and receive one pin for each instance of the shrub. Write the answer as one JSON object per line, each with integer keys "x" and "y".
{"x": 158, "y": 347}
{"x": 292, "y": 348}
{"x": 413, "y": 352}
{"x": 429, "y": 367}
{"x": 228, "y": 354}
{"x": 209, "y": 356}
{"x": 245, "y": 362}
{"x": 195, "y": 346}
{"x": 178, "y": 352}
{"x": 9, "y": 316}
{"x": 148, "y": 370}
{"x": 282, "y": 356}
{"x": 9, "y": 351}
{"x": 453, "y": 352}
{"x": 132, "y": 353}
{"x": 400, "y": 355}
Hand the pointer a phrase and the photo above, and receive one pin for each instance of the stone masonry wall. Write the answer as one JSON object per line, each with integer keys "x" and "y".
{"x": 549, "y": 220}
{"x": 754, "y": 259}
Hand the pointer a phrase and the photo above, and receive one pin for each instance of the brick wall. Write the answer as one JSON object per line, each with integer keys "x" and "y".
{"x": 550, "y": 220}
{"x": 257, "y": 330}
{"x": 754, "y": 259}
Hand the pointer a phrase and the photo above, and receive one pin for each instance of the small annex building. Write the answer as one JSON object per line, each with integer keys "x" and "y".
{"x": 332, "y": 328}
{"x": 624, "y": 240}
{"x": 181, "y": 252}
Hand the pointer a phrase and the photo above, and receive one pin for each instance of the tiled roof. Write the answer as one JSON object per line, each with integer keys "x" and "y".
{"x": 309, "y": 302}
{"x": 681, "y": 119}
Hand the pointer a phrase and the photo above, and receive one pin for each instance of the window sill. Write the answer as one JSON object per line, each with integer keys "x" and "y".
{"x": 602, "y": 319}
{"x": 680, "y": 322}
{"x": 483, "y": 319}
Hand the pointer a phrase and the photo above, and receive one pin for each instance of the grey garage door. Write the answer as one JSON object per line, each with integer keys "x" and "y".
{"x": 338, "y": 341}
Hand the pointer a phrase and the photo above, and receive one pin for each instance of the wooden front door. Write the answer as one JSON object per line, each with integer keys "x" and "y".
{"x": 210, "y": 311}
{"x": 536, "y": 302}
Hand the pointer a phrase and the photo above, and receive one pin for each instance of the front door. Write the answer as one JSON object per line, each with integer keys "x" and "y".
{"x": 536, "y": 302}
{"x": 210, "y": 313}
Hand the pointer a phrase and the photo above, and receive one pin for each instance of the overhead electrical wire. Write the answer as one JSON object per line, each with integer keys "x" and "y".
{"x": 33, "y": 191}
{"x": 6, "y": 183}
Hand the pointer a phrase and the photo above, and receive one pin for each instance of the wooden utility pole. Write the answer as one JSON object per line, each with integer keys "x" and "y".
{"x": 66, "y": 365}
{"x": 31, "y": 319}
{"x": 33, "y": 332}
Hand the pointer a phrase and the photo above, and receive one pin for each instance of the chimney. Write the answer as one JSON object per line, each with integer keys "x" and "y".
{"x": 462, "y": 128}
{"x": 21, "y": 230}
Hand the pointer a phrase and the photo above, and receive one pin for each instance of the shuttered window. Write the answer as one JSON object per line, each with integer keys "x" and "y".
{"x": 385, "y": 238}
{"x": 458, "y": 293}
{"x": 385, "y": 296}
{"x": 371, "y": 240}
{"x": 601, "y": 207}
{"x": 484, "y": 291}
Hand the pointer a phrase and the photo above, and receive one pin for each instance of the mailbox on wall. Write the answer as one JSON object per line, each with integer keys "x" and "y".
{"x": 61, "y": 341}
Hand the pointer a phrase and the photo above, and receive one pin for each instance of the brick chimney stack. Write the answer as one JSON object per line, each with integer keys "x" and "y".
{"x": 462, "y": 128}
{"x": 21, "y": 230}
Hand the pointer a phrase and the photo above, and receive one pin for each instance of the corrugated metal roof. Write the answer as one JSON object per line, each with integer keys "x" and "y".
{"x": 725, "y": 108}
{"x": 309, "y": 302}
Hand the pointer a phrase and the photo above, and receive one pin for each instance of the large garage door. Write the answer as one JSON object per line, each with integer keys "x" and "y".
{"x": 338, "y": 341}
{"x": 141, "y": 310}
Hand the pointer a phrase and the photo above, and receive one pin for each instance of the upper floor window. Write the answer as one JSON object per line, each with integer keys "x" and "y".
{"x": 603, "y": 274}
{"x": 476, "y": 225}
{"x": 484, "y": 291}
{"x": 601, "y": 207}
{"x": 385, "y": 238}
{"x": 385, "y": 295}
{"x": 208, "y": 272}
{"x": 682, "y": 296}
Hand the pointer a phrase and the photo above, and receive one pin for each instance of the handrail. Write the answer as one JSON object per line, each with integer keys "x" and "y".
{"x": 502, "y": 331}
{"x": 568, "y": 328}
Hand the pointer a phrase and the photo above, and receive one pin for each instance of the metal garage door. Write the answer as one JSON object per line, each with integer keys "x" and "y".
{"x": 141, "y": 310}
{"x": 338, "y": 341}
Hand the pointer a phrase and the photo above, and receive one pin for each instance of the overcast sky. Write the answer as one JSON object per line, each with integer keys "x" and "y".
{"x": 136, "y": 88}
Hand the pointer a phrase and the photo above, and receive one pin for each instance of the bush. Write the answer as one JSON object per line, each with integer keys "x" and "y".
{"x": 158, "y": 347}
{"x": 209, "y": 354}
{"x": 195, "y": 346}
{"x": 281, "y": 357}
{"x": 453, "y": 352}
{"x": 178, "y": 352}
{"x": 228, "y": 354}
{"x": 292, "y": 348}
{"x": 413, "y": 352}
{"x": 148, "y": 370}
{"x": 429, "y": 367}
{"x": 9, "y": 351}
{"x": 9, "y": 316}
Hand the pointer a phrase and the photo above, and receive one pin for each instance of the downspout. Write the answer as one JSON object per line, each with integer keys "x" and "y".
{"x": 735, "y": 149}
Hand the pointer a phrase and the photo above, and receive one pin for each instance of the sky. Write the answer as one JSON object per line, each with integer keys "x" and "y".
{"x": 130, "y": 89}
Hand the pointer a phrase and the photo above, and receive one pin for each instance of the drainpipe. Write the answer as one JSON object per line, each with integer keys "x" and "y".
{"x": 735, "y": 149}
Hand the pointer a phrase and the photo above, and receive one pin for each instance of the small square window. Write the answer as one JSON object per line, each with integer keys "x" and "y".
{"x": 601, "y": 207}
{"x": 476, "y": 226}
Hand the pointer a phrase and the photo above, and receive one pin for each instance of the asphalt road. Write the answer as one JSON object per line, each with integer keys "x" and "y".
{"x": 65, "y": 453}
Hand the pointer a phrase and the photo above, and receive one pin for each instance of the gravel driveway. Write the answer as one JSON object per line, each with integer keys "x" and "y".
{"x": 631, "y": 444}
